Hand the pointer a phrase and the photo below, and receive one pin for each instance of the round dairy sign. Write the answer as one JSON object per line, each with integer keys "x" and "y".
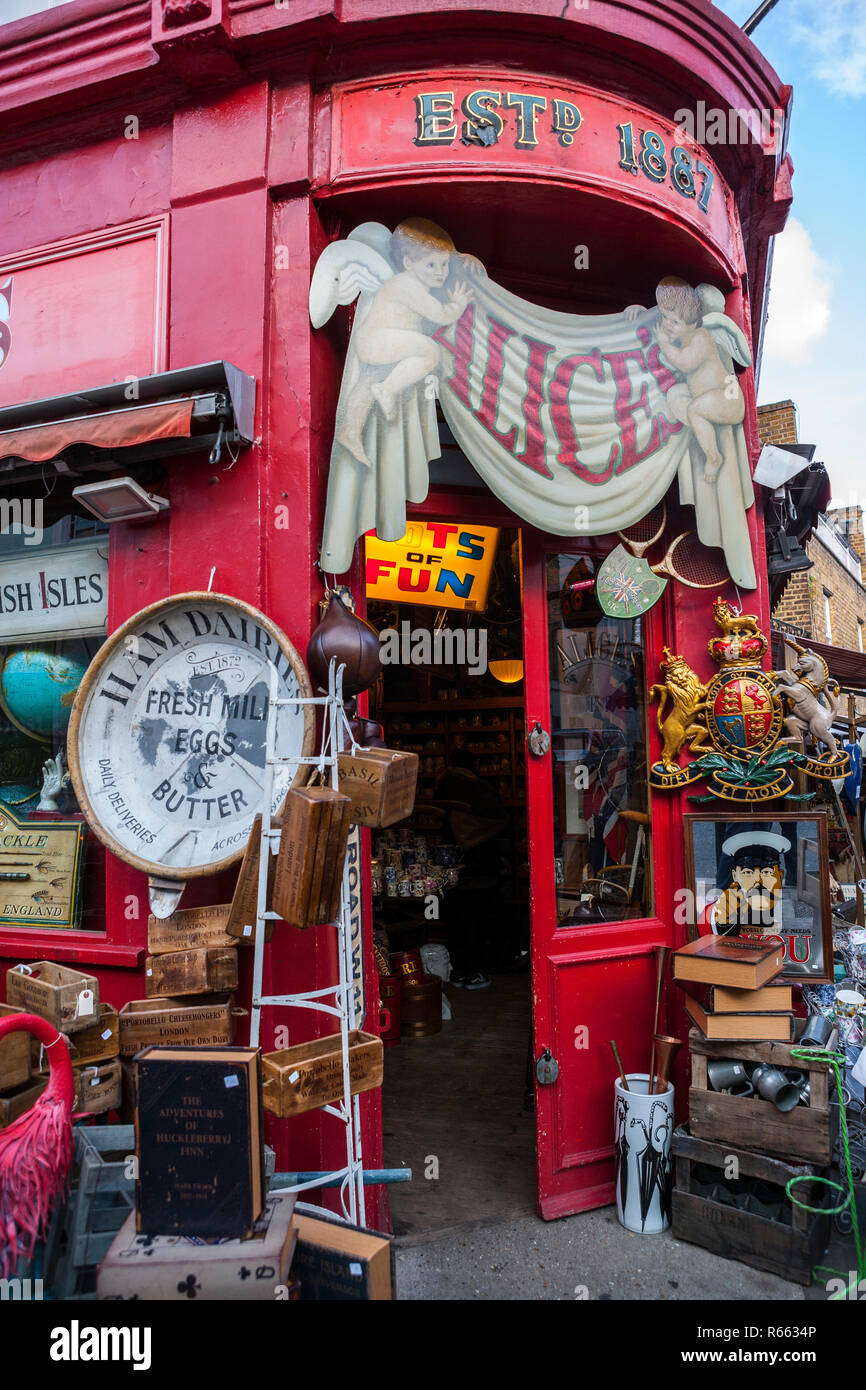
{"x": 167, "y": 736}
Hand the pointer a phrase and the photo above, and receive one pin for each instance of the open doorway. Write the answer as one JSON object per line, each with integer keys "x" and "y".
{"x": 451, "y": 885}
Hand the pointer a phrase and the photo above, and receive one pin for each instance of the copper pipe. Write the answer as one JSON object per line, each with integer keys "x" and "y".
{"x": 662, "y": 957}
{"x": 666, "y": 1050}
{"x": 615, "y": 1049}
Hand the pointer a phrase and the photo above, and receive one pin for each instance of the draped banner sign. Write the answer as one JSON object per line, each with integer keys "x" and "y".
{"x": 578, "y": 423}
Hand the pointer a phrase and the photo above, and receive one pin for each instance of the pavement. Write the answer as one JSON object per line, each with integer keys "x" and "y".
{"x": 586, "y": 1257}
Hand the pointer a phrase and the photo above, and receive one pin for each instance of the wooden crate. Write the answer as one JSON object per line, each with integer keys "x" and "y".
{"x": 380, "y": 783}
{"x": 189, "y": 929}
{"x": 204, "y": 971}
{"x": 16, "y": 1101}
{"x": 176, "y": 1023}
{"x": 310, "y": 1074}
{"x": 99, "y": 1042}
{"x": 243, "y": 908}
{"x": 55, "y": 993}
{"x": 101, "y": 1197}
{"x": 309, "y": 871}
{"x": 805, "y": 1133}
{"x": 788, "y": 1249}
{"x": 15, "y": 1064}
{"x": 97, "y": 1087}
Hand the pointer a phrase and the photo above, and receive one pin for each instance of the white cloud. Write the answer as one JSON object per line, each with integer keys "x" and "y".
{"x": 834, "y": 33}
{"x": 800, "y": 290}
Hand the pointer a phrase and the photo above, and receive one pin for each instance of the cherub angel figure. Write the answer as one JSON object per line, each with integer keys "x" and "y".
{"x": 689, "y": 339}
{"x": 389, "y": 326}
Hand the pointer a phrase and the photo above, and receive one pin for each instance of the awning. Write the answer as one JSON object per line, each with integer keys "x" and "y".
{"x": 118, "y": 430}
{"x": 846, "y": 666}
{"x": 126, "y": 422}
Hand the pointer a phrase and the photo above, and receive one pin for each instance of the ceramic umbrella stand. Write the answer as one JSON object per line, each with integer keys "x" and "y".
{"x": 643, "y": 1129}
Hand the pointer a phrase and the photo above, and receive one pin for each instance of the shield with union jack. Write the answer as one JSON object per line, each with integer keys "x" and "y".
{"x": 744, "y": 713}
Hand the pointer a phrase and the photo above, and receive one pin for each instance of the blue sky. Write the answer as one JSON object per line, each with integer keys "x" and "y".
{"x": 814, "y": 348}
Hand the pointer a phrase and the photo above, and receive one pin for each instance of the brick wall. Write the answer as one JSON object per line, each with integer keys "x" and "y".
{"x": 795, "y": 605}
{"x": 850, "y": 522}
{"x": 802, "y": 602}
{"x": 777, "y": 423}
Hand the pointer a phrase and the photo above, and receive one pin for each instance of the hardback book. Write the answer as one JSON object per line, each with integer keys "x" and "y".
{"x": 745, "y": 1027}
{"x": 715, "y": 960}
{"x": 777, "y": 997}
{"x": 183, "y": 1268}
{"x": 199, "y": 1141}
{"x": 340, "y": 1263}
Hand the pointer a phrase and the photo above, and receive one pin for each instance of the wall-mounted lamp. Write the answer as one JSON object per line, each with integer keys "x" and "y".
{"x": 120, "y": 499}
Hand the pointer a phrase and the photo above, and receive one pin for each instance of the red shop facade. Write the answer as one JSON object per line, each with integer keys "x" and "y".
{"x": 171, "y": 171}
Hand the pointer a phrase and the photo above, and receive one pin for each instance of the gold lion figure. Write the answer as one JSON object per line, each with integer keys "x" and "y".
{"x": 687, "y": 695}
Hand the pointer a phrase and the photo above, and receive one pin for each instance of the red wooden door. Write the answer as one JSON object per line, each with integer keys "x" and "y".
{"x": 598, "y": 872}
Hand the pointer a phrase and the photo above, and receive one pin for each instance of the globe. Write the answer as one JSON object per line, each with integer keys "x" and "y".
{"x": 38, "y": 688}
{"x": 18, "y": 797}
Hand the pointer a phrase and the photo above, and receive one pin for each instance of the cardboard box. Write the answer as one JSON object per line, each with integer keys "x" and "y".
{"x": 67, "y": 998}
{"x": 179, "y": 1268}
{"x": 340, "y": 1263}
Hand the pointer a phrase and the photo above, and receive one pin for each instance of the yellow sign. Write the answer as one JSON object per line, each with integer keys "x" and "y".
{"x": 40, "y": 871}
{"x": 443, "y": 563}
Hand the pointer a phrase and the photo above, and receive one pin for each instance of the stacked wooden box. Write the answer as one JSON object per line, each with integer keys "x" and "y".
{"x": 70, "y": 1000}
{"x": 749, "y": 1216}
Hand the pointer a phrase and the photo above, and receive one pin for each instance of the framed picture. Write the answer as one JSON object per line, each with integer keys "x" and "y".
{"x": 768, "y": 876}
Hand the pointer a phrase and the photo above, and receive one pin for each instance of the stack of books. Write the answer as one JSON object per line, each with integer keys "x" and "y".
{"x": 735, "y": 993}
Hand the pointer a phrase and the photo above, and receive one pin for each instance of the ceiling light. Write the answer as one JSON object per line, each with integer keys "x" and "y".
{"x": 120, "y": 499}
{"x": 508, "y": 672}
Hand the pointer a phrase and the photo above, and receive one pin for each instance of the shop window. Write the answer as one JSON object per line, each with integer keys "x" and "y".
{"x": 53, "y": 619}
{"x": 602, "y": 863}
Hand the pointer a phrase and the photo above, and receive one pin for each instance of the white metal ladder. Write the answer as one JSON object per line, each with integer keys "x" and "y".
{"x": 335, "y": 999}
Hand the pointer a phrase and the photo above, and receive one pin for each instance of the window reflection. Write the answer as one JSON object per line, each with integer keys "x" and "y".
{"x": 598, "y": 740}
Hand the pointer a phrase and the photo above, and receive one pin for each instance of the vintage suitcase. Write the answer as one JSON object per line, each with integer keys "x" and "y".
{"x": 310, "y": 1074}
{"x": 178, "y": 1268}
{"x": 203, "y": 971}
{"x": 309, "y": 871}
{"x": 177, "y": 1023}
{"x": 381, "y": 784}
{"x": 67, "y": 998}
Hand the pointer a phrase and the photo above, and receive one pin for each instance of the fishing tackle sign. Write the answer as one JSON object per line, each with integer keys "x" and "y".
{"x": 167, "y": 734}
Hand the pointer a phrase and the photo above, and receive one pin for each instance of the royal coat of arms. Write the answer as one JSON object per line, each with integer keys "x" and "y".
{"x": 737, "y": 723}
